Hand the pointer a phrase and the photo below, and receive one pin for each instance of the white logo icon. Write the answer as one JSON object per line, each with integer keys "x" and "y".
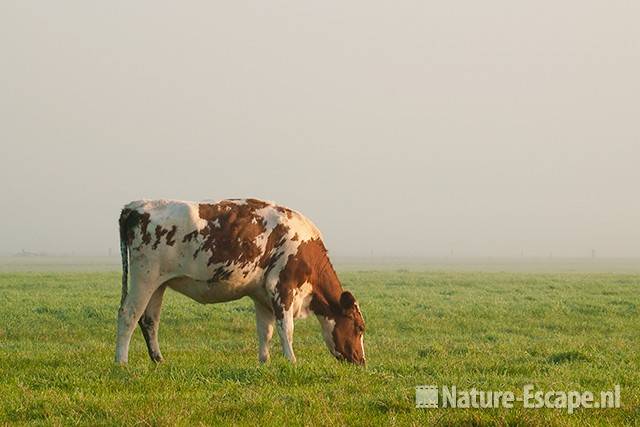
{"x": 426, "y": 396}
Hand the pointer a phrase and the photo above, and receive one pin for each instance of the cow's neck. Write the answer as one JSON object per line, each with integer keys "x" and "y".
{"x": 326, "y": 291}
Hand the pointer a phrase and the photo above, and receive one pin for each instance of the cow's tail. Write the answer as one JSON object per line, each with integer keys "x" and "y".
{"x": 124, "y": 252}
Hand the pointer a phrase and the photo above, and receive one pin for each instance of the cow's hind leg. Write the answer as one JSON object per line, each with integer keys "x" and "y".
{"x": 149, "y": 323}
{"x": 133, "y": 306}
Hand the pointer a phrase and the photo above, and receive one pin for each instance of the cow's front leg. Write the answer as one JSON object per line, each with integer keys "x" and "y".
{"x": 264, "y": 325}
{"x": 280, "y": 293}
{"x": 285, "y": 332}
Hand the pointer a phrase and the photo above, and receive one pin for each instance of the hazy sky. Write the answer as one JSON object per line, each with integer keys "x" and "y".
{"x": 400, "y": 128}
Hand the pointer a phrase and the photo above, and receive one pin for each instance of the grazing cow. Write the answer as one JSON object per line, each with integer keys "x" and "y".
{"x": 222, "y": 251}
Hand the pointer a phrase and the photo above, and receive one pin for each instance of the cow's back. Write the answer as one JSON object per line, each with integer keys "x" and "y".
{"x": 231, "y": 241}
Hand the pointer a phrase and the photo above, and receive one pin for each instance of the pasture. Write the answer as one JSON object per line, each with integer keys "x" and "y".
{"x": 490, "y": 330}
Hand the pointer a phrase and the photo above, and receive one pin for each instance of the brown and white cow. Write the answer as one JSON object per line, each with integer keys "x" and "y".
{"x": 222, "y": 251}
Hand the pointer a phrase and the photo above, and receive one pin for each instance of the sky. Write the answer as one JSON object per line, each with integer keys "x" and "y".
{"x": 412, "y": 128}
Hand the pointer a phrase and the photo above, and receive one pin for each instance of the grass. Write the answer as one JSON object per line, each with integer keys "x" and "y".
{"x": 491, "y": 331}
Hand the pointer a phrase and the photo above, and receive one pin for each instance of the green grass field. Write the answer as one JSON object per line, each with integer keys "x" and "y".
{"x": 491, "y": 331}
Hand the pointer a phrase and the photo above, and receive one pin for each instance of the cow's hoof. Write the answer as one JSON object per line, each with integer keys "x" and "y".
{"x": 157, "y": 358}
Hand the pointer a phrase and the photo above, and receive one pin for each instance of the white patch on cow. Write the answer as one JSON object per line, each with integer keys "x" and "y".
{"x": 302, "y": 301}
{"x": 285, "y": 331}
{"x": 170, "y": 212}
{"x": 194, "y": 214}
{"x": 328, "y": 325}
{"x": 361, "y": 336}
{"x": 304, "y": 227}
{"x": 357, "y": 307}
{"x": 216, "y": 223}
{"x": 206, "y": 293}
{"x": 136, "y": 205}
{"x": 270, "y": 217}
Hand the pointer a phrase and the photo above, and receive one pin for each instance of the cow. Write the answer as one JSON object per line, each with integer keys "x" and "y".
{"x": 221, "y": 251}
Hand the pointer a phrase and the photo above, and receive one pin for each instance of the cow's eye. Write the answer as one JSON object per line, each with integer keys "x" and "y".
{"x": 360, "y": 329}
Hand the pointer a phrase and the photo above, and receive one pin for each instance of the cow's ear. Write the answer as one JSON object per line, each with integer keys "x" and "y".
{"x": 347, "y": 300}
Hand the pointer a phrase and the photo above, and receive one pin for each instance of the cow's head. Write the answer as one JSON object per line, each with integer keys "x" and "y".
{"x": 344, "y": 333}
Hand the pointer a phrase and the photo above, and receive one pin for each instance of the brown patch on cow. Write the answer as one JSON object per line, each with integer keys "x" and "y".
{"x": 145, "y": 220}
{"x": 159, "y": 233}
{"x": 295, "y": 237}
{"x": 288, "y": 212}
{"x": 278, "y": 311}
{"x": 130, "y": 219}
{"x": 311, "y": 264}
{"x": 220, "y": 273}
{"x": 230, "y": 234}
{"x": 256, "y": 204}
{"x": 170, "y": 236}
{"x": 190, "y": 236}
{"x": 210, "y": 211}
